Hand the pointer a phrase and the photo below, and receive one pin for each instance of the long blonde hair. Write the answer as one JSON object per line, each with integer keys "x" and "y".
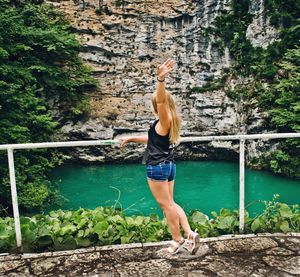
{"x": 174, "y": 132}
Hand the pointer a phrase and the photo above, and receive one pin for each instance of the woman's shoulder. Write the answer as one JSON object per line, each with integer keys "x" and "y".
{"x": 154, "y": 123}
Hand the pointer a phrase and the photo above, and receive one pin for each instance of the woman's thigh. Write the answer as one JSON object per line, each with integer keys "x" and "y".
{"x": 160, "y": 191}
{"x": 171, "y": 189}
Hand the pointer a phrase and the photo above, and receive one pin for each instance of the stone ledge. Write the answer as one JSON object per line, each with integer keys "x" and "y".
{"x": 9, "y": 257}
{"x": 230, "y": 255}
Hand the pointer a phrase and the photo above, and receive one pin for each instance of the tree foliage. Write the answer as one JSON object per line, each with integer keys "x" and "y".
{"x": 276, "y": 66}
{"x": 41, "y": 74}
{"x": 283, "y": 96}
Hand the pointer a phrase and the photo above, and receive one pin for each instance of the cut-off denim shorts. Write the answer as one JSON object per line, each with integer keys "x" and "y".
{"x": 164, "y": 171}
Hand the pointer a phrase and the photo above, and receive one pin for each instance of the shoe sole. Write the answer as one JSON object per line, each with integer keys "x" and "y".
{"x": 196, "y": 244}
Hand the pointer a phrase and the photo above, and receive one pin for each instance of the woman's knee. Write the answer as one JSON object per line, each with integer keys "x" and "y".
{"x": 167, "y": 205}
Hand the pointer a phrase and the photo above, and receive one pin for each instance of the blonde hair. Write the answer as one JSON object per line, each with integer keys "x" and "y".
{"x": 174, "y": 132}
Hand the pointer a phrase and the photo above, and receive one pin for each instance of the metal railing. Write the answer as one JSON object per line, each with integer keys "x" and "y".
{"x": 241, "y": 138}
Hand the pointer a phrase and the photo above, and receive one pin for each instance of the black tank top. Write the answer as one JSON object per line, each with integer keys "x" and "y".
{"x": 158, "y": 148}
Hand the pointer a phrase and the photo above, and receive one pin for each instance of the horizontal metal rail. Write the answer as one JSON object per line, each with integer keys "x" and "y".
{"x": 116, "y": 141}
{"x": 58, "y": 144}
{"x": 244, "y": 137}
{"x": 241, "y": 138}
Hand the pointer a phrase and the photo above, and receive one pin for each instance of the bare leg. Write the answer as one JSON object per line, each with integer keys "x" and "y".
{"x": 182, "y": 216}
{"x": 161, "y": 194}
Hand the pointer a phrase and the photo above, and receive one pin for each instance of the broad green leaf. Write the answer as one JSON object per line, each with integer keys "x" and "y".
{"x": 116, "y": 218}
{"x": 203, "y": 230}
{"x": 226, "y": 222}
{"x": 85, "y": 242}
{"x": 198, "y": 217}
{"x": 69, "y": 228}
{"x": 284, "y": 226}
{"x": 68, "y": 214}
{"x": 4, "y": 235}
{"x": 214, "y": 214}
{"x": 66, "y": 244}
{"x": 44, "y": 241}
{"x": 101, "y": 227}
{"x": 126, "y": 239}
{"x": 255, "y": 224}
{"x": 88, "y": 232}
{"x": 80, "y": 233}
{"x": 45, "y": 231}
{"x": 110, "y": 231}
{"x": 56, "y": 227}
{"x": 81, "y": 223}
{"x": 285, "y": 210}
{"x": 138, "y": 220}
{"x": 225, "y": 212}
{"x": 129, "y": 220}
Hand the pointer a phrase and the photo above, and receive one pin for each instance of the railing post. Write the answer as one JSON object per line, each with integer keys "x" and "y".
{"x": 12, "y": 177}
{"x": 242, "y": 185}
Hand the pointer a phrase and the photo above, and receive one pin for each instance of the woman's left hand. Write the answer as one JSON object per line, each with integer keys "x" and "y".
{"x": 123, "y": 142}
{"x": 165, "y": 68}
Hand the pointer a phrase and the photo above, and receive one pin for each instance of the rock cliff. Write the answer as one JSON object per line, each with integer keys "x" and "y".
{"x": 123, "y": 41}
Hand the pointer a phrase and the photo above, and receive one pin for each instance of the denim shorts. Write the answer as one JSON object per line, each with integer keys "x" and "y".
{"x": 164, "y": 171}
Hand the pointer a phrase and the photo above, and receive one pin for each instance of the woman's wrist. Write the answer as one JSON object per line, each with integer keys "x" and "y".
{"x": 161, "y": 78}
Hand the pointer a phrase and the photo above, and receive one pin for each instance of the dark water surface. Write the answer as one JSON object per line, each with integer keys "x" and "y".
{"x": 204, "y": 185}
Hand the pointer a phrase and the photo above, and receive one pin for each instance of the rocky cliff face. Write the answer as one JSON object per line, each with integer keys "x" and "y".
{"x": 123, "y": 44}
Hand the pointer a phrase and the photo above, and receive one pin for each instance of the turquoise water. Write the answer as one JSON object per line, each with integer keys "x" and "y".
{"x": 204, "y": 185}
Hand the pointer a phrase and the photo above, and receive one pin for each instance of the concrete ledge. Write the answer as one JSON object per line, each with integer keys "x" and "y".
{"x": 263, "y": 254}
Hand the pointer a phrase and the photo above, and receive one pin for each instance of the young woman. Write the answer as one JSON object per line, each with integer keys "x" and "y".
{"x": 159, "y": 158}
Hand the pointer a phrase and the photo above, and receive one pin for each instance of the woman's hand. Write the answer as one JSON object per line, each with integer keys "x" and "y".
{"x": 124, "y": 141}
{"x": 165, "y": 68}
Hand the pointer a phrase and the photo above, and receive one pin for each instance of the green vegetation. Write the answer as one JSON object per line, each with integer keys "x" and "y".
{"x": 72, "y": 229}
{"x": 119, "y": 3}
{"x": 230, "y": 30}
{"x": 41, "y": 75}
{"x": 207, "y": 87}
{"x": 282, "y": 13}
{"x": 283, "y": 96}
{"x": 211, "y": 85}
{"x": 273, "y": 73}
{"x": 61, "y": 230}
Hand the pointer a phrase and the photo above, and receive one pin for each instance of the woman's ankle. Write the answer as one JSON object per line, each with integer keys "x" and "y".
{"x": 179, "y": 240}
{"x": 187, "y": 234}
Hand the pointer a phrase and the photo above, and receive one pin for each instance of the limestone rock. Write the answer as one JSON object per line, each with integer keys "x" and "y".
{"x": 123, "y": 44}
{"x": 286, "y": 264}
{"x": 239, "y": 255}
{"x": 260, "y": 32}
{"x": 148, "y": 268}
{"x": 11, "y": 265}
{"x": 279, "y": 251}
{"x": 253, "y": 244}
{"x": 41, "y": 266}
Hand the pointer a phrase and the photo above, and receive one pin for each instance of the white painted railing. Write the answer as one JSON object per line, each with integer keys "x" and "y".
{"x": 241, "y": 138}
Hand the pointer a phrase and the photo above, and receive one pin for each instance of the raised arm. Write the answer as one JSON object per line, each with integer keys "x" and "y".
{"x": 161, "y": 97}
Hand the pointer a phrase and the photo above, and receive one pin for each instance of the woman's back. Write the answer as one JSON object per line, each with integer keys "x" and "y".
{"x": 158, "y": 148}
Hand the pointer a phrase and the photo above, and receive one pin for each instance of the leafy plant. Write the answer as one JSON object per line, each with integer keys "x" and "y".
{"x": 60, "y": 230}
{"x": 277, "y": 217}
